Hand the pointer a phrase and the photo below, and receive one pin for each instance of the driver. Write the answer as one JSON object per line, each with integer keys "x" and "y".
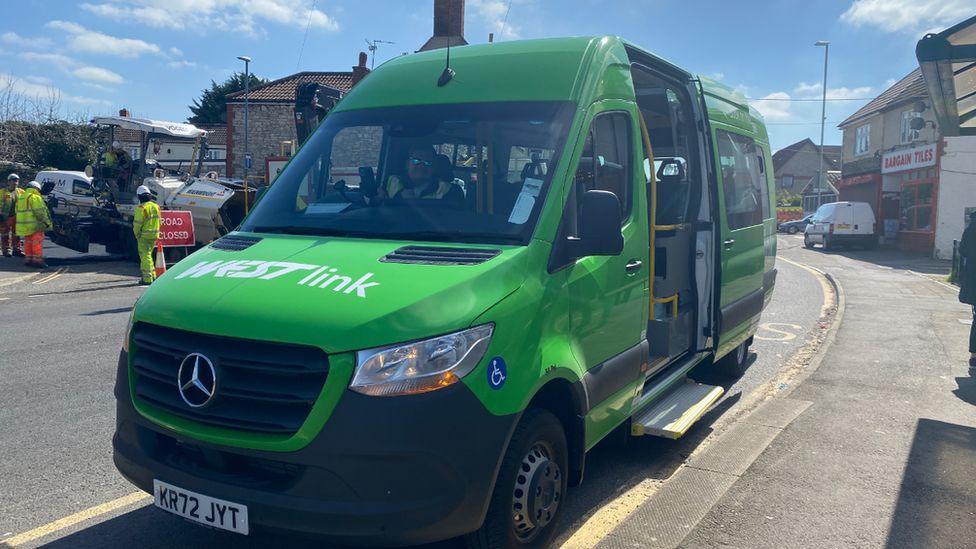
{"x": 418, "y": 180}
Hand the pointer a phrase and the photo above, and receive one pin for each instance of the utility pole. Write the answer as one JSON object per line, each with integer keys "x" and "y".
{"x": 247, "y": 93}
{"x": 823, "y": 121}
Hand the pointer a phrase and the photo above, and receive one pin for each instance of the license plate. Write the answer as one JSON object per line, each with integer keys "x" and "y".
{"x": 206, "y": 510}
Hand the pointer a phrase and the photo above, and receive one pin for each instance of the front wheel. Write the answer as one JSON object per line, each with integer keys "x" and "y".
{"x": 531, "y": 485}
{"x": 807, "y": 242}
{"x": 793, "y": 230}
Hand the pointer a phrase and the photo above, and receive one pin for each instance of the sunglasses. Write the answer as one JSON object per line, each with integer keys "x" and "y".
{"x": 418, "y": 161}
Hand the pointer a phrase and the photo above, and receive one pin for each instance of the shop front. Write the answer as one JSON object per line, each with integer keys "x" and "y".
{"x": 866, "y": 187}
{"x": 910, "y": 186}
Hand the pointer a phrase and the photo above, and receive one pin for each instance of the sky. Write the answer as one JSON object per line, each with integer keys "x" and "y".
{"x": 155, "y": 56}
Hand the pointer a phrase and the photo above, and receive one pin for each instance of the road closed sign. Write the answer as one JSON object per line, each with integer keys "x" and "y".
{"x": 176, "y": 228}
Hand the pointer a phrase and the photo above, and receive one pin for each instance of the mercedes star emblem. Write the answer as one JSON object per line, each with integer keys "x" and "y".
{"x": 197, "y": 380}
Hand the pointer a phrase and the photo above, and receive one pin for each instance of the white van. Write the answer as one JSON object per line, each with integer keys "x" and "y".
{"x": 73, "y": 190}
{"x": 842, "y": 223}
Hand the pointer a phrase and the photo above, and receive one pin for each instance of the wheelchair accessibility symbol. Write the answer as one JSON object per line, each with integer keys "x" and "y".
{"x": 497, "y": 372}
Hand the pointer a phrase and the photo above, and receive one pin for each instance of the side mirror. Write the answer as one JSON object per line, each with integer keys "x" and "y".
{"x": 599, "y": 226}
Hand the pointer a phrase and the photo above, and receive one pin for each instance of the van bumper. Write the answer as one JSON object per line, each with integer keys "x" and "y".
{"x": 390, "y": 471}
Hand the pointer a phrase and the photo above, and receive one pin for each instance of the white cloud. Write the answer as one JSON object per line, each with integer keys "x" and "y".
{"x": 94, "y": 42}
{"x": 493, "y": 13}
{"x": 181, "y": 64}
{"x": 58, "y": 60}
{"x": 38, "y": 80}
{"x": 776, "y": 106}
{"x": 221, "y": 15}
{"x": 26, "y": 42}
{"x": 718, "y": 76}
{"x": 176, "y": 52}
{"x": 33, "y": 90}
{"x": 908, "y": 16}
{"x": 98, "y": 75}
{"x": 814, "y": 91}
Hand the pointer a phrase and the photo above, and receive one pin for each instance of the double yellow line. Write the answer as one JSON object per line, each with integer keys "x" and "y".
{"x": 52, "y": 276}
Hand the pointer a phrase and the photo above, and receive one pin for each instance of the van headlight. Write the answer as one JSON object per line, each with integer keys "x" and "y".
{"x": 420, "y": 366}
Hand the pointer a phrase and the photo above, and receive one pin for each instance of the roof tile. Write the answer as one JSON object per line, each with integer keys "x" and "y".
{"x": 283, "y": 89}
{"x": 910, "y": 87}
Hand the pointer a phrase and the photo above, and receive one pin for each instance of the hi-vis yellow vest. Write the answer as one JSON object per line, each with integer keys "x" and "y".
{"x": 31, "y": 212}
{"x": 145, "y": 224}
{"x": 394, "y": 185}
{"x": 8, "y": 201}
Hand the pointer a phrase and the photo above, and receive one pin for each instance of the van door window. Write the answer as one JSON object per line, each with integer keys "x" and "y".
{"x": 81, "y": 187}
{"x": 605, "y": 161}
{"x": 741, "y": 180}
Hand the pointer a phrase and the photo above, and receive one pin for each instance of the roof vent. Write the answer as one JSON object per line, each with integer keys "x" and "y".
{"x": 234, "y": 243}
{"x": 435, "y": 255}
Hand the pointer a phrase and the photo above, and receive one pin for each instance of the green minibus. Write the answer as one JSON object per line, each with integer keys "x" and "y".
{"x": 476, "y": 268}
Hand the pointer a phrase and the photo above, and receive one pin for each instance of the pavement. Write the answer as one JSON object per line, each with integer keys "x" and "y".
{"x": 884, "y": 455}
{"x": 789, "y": 440}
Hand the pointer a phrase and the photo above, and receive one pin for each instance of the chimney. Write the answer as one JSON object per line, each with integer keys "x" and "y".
{"x": 360, "y": 71}
{"x": 448, "y": 25}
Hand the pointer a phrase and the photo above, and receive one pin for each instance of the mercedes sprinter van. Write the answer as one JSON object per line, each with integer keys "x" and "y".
{"x": 468, "y": 276}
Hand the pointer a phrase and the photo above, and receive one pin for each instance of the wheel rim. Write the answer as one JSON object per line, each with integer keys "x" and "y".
{"x": 537, "y": 492}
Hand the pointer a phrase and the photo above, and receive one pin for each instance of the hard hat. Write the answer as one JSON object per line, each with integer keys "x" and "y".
{"x": 143, "y": 190}
{"x": 13, "y": 177}
{"x": 116, "y": 144}
{"x": 34, "y": 184}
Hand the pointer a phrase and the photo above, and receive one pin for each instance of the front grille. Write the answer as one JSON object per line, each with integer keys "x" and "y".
{"x": 261, "y": 386}
{"x": 439, "y": 255}
{"x": 234, "y": 243}
{"x": 225, "y": 467}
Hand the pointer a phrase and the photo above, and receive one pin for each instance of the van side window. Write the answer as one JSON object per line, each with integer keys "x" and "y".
{"x": 767, "y": 206}
{"x": 80, "y": 187}
{"x": 605, "y": 162}
{"x": 741, "y": 180}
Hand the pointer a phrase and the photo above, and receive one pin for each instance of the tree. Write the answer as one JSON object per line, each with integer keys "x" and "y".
{"x": 211, "y": 107}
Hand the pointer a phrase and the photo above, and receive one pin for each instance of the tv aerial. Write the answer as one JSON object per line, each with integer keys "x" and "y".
{"x": 372, "y": 46}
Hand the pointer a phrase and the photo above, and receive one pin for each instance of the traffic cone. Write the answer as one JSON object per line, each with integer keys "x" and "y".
{"x": 160, "y": 260}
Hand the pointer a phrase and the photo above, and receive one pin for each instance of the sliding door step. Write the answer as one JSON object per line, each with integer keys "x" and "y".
{"x": 677, "y": 411}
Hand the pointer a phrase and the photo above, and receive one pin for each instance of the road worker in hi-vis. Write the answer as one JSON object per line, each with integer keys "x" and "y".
{"x": 32, "y": 220}
{"x": 11, "y": 245}
{"x": 145, "y": 226}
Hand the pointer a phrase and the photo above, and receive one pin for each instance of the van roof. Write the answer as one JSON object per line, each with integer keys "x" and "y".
{"x": 548, "y": 69}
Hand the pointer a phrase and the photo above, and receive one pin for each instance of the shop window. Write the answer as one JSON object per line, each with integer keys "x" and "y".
{"x": 862, "y": 139}
{"x": 907, "y": 133}
{"x": 916, "y": 207}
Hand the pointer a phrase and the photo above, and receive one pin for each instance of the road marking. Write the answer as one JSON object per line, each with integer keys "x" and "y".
{"x": 605, "y": 519}
{"x": 12, "y": 281}
{"x": 52, "y": 276}
{"x": 71, "y": 520}
{"x": 784, "y": 335}
{"x": 939, "y": 282}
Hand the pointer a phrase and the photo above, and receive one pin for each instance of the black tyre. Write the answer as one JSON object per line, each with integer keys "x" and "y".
{"x": 531, "y": 485}
{"x": 807, "y": 242}
{"x": 827, "y": 245}
{"x": 793, "y": 229}
{"x": 735, "y": 364}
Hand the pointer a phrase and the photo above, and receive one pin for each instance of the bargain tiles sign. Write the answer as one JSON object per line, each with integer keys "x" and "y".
{"x": 909, "y": 159}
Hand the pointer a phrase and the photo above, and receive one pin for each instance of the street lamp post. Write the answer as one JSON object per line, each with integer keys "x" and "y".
{"x": 823, "y": 121}
{"x": 247, "y": 92}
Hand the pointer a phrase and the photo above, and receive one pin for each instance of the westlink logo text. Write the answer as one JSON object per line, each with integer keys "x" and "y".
{"x": 316, "y": 276}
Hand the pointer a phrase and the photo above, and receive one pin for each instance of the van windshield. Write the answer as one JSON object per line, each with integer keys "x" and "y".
{"x": 475, "y": 172}
{"x": 823, "y": 212}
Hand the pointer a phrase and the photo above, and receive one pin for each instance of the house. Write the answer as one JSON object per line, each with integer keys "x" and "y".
{"x": 795, "y": 165}
{"x": 819, "y": 191}
{"x": 271, "y": 118}
{"x": 890, "y": 159}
